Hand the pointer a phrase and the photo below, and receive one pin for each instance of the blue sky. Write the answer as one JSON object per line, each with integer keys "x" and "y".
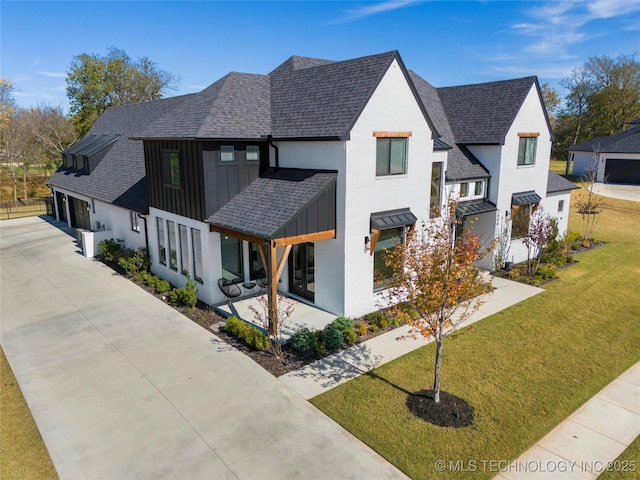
{"x": 446, "y": 42}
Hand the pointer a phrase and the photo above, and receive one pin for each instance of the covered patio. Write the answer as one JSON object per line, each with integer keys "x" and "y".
{"x": 280, "y": 209}
{"x": 304, "y": 315}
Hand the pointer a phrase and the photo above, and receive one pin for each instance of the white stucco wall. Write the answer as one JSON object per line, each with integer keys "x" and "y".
{"x": 392, "y": 108}
{"x": 551, "y": 204}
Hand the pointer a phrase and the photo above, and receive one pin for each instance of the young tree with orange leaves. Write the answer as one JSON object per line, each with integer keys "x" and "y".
{"x": 434, "y": 272}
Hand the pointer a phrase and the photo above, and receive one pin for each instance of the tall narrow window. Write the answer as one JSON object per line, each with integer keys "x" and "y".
{"x": 85, "y": 165}
{"x": 162, "y": 250}
{"x": 171, "y": 168}
{"x": 173, "y": 253}
{"x": 183, "y": 235}
{"x": 391, "y": 156}
{"x": 527, "y": 150}
{"x": 135, "y": 225}
{"x": 520, "y": 219}
{"x": 388, "y": 240}
{"x": 436, "y": 188}
{"x": 560, "y": 206}
{"x": 256, "y": 268}
{"x": 464, "y": 189}
{"x": 231, "y": 258}
{"x": 74, "y": 160}
{"x": 478, "y": 189}
{"x": 196, "y": 246}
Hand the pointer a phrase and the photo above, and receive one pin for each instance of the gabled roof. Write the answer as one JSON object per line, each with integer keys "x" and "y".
{"x": 319, "y": 98}
{"x": 461, "y": 163}
{"x": 236, "y": 106}
{"x": 119, "y": 178}
{"x": 483, "y": 113}
{"x": 557, "y": 183}
{"x": 282, "y": 203}
{"x": 623, "y": 142}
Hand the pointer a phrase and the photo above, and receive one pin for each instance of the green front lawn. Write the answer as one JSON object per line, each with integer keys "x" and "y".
{"x": 523, "y": 370}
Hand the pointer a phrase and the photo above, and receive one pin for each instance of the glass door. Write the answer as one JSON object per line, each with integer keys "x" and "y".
{"x": 301, "y": 270}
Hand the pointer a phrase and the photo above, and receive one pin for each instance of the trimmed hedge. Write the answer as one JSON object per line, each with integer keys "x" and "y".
{"x": 251, "y": 335}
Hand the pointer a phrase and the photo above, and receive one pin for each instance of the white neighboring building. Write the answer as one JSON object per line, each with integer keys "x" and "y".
{"x": 616, "y": 158}
{"x": 305, "y": 175}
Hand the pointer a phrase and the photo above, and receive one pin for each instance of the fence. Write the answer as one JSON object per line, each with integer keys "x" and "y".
{"x": 33, "y": 208}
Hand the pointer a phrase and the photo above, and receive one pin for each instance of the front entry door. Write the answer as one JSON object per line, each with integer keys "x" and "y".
{"x": 301, "y": 271}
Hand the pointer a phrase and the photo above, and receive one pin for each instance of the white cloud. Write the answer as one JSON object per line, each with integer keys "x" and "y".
{"x": 612, "y": 8}
{"x": 376, "y": 8}
{"x": 53, "y": 74}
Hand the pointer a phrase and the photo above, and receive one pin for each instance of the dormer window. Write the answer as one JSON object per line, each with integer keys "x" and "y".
{"x": 74, "y": 163}
{"x": 85, "y": 165}
{"x": 478, "y": 188}
{"x": 527, "y": 148}
{"x": 253, "y": 153}
{"x": 171, "y": 168}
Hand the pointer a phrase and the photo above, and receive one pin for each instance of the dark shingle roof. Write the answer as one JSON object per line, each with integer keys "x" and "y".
{"x": 119, "y": 178}
{"x": 483, "y": 113}
{"x": 318, "y": 98}
{"x": 623, "y": 142}
{"x": 271, "y": 206}
{"x": 557, "y": 183}
{"x": 236, "y": 106}
{"x": 461, "y": 163}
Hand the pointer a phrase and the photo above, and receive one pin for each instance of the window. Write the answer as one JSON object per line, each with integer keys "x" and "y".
{"x": 560, "y": 205}
{"x": 527, "y": 150}
{"x": 183, "y": 236}
{"x": 196, "y": 246}
{"x": 171, "y": 168}
{"x": 85, "y": 165}
{"x": 464, "y": 189}
{"x": 256, "y": 268}
{"x": 388, "y": 240}
{"x": 478, "y": 189}
{"x": 231, "y": 258}
{"x": 162, "y": 251}
{"x": 253, "y": 153}
{"x": 135, "y": 225}
{"x": 173, "y": 254}
{"x": 436, "y": 188}
{"x": 74, "y": 160}
{"x": 391, "y": 156}
{"x": 520, "y": 218}
{"x": 227, "y": 153}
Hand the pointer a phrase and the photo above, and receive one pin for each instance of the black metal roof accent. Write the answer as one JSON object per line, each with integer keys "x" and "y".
{"x": 474, "y": 207}
{"x": 392, "y": 219}
{"x": 557, "y": 183}
{"x": 439, "y": 144}
{"x": 525, "y": 198}
{"x": 282, "y": 203}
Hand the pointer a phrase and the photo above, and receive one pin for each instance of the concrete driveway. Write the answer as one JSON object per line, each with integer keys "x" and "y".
{"x": 623, "y": 192}
{"x": 122, "y": 386}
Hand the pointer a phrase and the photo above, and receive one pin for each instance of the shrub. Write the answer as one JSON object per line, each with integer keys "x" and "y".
{"x": 546, "y": 272}
{"x": 350, "y": 336}
{"x": 375, "y": 328}
{"x": 260, "y": 341}
{"x": 250, "y": 335}
{"x": 515, "y": 273}
{"x": 321, "y": 348}
{"x": 187, "y": 295}
{"x": 384, "y": 323}
{"x": 110, "y": 250}
{"x": 374, "y": 318}
{"x": 361, "y": 328}
{"x": 343, "y": 323}
{"x": 162, "y": 286}
{"x": 332, "y": 337}
{"x": 141, "y": 277}
{"x": 303, "y": 340}
{"x": 233, "y": 326}
{"x": 133, "y": 262}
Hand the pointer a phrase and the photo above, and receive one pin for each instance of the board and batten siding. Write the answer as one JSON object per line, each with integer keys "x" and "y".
{"x": 187, "y": 200}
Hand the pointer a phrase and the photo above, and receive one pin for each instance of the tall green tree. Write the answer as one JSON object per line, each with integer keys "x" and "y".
{"x": 95, "y": 82}
{"x": 551, "y": 99}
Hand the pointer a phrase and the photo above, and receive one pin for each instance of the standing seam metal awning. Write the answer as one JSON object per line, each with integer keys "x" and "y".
{"x": 525, "y": 198}
{"x": 392, "y": 219}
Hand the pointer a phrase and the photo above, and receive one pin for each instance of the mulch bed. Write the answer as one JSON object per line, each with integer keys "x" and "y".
{"x": 451, "y": 411}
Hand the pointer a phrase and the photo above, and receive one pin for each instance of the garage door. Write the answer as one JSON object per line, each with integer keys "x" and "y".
{"x": 622, "y": 171}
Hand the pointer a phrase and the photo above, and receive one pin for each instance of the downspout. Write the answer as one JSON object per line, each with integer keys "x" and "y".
{"x": 275, "y": 147}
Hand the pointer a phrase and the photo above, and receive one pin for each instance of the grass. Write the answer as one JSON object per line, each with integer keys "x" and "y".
{"x": 23, "y": 454}
{"x": 558, "y": 166}
{"x": 626, "y": 466}
{"x": 523, "y": 370}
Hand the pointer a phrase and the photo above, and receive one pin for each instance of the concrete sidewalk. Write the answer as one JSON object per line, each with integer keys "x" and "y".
{"x": 333, "y": 370}
{"x": 122, "y": 386}
{"x": 582, "y": 445}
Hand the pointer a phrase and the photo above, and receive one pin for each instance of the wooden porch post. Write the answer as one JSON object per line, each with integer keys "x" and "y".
{"x": 275, "y": 270}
